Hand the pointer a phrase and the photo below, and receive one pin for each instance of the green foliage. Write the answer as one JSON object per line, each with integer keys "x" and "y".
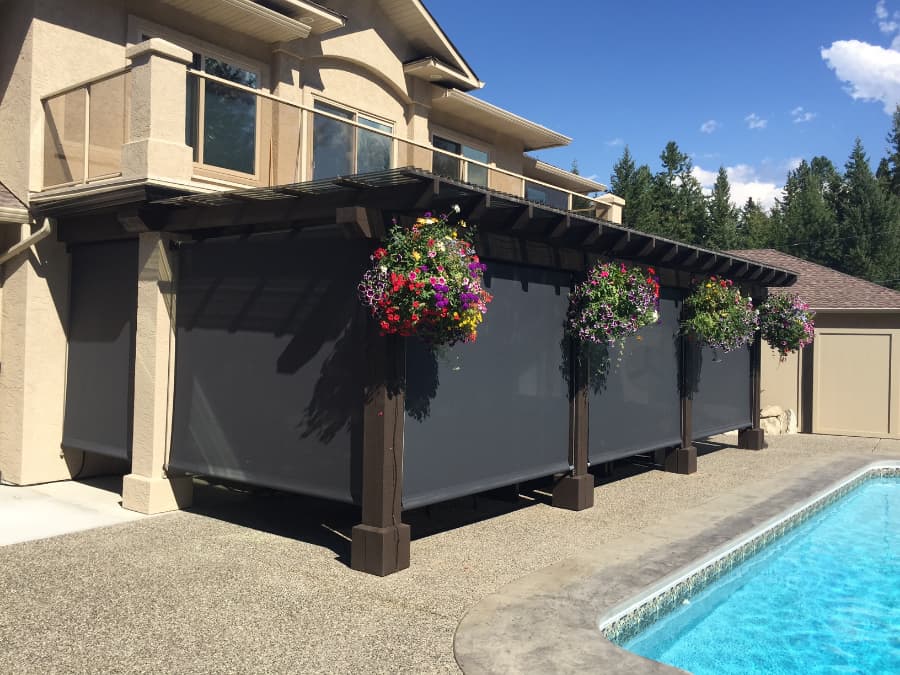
{"x": 848, "y": 220}
{"x": 719, "y": 316}
{"x": 719, "y": 230}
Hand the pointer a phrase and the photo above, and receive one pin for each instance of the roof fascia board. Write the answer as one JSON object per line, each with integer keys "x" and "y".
{"x": 554, "y": 138}
{"x": 461, "y": 62}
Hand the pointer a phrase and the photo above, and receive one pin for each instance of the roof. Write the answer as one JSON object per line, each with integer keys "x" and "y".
{"x": 11, "y": 207}
{"x": 824, "y": 288}
{"x": 476, "y": 111}
{"x": 409, "y": 190}
{"x": 414, "y": 20}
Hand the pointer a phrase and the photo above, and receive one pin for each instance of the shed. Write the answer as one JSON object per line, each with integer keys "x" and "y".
{"x": 846, "y": 382}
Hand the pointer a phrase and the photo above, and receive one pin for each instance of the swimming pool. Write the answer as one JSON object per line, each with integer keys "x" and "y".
{"x": 818, "y": 592}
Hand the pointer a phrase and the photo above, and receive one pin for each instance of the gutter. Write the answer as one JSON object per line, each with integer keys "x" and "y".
{"x": 27, "y": 239}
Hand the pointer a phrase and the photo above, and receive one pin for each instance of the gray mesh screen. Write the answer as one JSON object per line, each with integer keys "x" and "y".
{"x": 636, "y": 405}
{"x": 722, "y": 391}
{"x": 494, "y": 412}
{"x": 269, "y": 362}
{"x": 100, "y": 370}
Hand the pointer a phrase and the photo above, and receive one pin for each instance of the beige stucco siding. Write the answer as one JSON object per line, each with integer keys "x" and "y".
{"x": 780, "y": 380}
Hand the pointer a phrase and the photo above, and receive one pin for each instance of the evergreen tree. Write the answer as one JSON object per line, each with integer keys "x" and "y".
{"x": 892, "y": 175}
{"x": 719, "y": 229}
{"x": 634, "y": 185}
{"x": 755, "y": 227}
{"x": 678, "y": 196}
{"x": 805, "y": 219}
{"x": 868, "y": 221}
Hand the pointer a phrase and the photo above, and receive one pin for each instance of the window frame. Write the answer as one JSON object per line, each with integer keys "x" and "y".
{"x": 464, "y": 142}
{"x": 138, "y": 27}
{"x": 356, "y": 114}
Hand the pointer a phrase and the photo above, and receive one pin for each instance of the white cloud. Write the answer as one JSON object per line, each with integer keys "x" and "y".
{"x": 615, "y": 142}
{"x": 754, "y": 121}
{"x": 745, "y": 182}
{"x": 872, "y": 73}
{"x": 709, "y": 126}
{"x": 800, "y": 115}
{"x": 886, "y": 22}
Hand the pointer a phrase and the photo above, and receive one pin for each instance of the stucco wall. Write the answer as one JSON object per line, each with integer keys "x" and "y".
{"x": 850, "y": 382}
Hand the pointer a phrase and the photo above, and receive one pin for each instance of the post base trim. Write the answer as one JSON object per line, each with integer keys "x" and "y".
{"x": 156, "y": 495}
{"x": 575, "y": 493}
{"x": 681, "y": 460}
{"x": 380, "y": 550}
{"x": 752, "y": 439}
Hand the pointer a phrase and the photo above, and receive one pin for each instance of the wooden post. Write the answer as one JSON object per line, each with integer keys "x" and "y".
{"x": 380, "y": 544}
{"x": 754, "y": 438}
{"x": 684, "y": 459}
{"x": 576, "y": 492}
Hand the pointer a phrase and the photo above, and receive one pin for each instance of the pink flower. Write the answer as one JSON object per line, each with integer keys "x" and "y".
{"x": 604, "y": 273}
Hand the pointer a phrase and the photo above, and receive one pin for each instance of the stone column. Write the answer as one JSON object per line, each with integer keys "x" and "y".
{"x": 147, "y": 488}
{"x": 286, "y": 161}
{"x": 418, "y": 127}
{"x": 155, "y": 147}
{"x": 35, "y": 316}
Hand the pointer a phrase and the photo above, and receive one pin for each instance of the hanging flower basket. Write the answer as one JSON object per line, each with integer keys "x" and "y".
{"x": 427, "y": 282}
{"x": 720, "y": 317}
{"x": 614, "y": 302}
{"x": 786, "y": 323}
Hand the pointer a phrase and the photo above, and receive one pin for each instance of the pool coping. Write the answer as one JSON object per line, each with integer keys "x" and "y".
{"x": 550, "y": 621}
{"x": 628, "y": 619}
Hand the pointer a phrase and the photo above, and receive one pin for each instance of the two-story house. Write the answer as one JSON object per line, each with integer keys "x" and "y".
{"x": 191, "y": 188}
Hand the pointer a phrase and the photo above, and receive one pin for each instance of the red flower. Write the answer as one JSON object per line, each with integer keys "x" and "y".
{"x": 379, "y": 253}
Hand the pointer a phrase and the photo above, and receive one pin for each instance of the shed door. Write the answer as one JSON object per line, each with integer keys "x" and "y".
{"x": 855, "y": 384}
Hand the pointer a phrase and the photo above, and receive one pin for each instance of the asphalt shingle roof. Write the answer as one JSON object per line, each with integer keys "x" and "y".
{"x": 822, "y": 287}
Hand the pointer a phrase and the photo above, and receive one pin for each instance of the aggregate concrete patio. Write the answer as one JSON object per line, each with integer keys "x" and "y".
{"x": 251, "y": 583}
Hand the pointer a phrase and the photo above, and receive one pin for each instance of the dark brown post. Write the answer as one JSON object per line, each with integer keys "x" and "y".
{"x": 576, "y": 492}
{"x": 380, "y": 544}
{"x": 754, "y": 438}
{"x": 684, "y": 459}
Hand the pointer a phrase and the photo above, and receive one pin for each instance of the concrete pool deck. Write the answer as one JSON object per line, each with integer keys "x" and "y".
{"x": 251, "y": 583}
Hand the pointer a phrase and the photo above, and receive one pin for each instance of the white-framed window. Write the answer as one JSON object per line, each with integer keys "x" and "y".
{"x": 455, "y": 168}
{"x": 341, "y": 149}
{"x": 221, "y": 122}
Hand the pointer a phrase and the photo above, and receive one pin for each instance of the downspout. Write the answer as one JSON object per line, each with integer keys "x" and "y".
{"x": 27, "y": 239}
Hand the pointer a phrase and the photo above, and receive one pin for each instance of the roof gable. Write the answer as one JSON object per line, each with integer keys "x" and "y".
{"x": 824, "y": 288}
{"x": 413, "y": 20}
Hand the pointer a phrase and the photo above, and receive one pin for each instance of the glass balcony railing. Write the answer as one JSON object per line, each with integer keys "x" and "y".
{"x": 241, "y": 135}
{"x": 84, "y": 130}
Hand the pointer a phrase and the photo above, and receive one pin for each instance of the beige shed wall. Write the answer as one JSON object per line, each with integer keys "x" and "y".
{"x": 853, "y": 386}
{"x": 780, "y": 381}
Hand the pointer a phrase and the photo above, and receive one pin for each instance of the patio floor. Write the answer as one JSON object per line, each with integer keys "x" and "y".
{"x": 251, "y": 583}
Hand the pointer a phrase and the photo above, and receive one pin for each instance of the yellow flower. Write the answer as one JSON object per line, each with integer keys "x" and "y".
{"x": 416, "y": 255}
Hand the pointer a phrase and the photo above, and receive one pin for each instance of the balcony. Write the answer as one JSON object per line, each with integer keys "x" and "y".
{"x": 165, "y": 120}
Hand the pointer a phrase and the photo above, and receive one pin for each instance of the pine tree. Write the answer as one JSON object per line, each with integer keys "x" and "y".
{"x": 893, "y": 158}
{"x": 634, "y": 185}
{"x": 678, "y": 196}
{"x": 869, "y": 222}
{"x": 719, "y": 228}
{"x": 806, "y": 222}
{"x": 755, "y": 227}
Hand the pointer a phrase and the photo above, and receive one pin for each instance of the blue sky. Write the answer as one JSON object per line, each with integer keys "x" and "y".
{"x": 753, "y": 87}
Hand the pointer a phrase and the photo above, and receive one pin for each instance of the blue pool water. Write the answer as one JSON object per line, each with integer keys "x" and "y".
{"x": 825, "y": 598}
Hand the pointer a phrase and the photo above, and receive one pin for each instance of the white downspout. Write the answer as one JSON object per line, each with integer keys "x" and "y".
{"x": 27, "y": 239}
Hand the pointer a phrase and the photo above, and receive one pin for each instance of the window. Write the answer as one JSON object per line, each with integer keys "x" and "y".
{"x": 341, "y": 149}
{"x": 224, "y": 135}
{"x": 220, "y": 121}
{"x": 541, "y": 194}
{"x": 451, "y": 167}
